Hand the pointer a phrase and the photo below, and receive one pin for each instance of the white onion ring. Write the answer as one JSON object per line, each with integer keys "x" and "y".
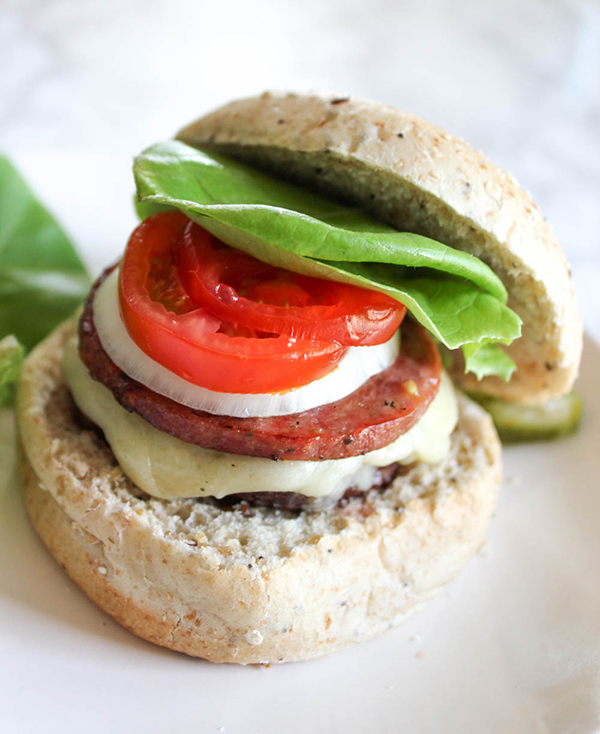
{"x": 354, "y": 369}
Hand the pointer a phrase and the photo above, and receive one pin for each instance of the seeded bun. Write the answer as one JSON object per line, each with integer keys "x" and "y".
{"x": 246, "y": 586}
{"x": 418, "y": 178}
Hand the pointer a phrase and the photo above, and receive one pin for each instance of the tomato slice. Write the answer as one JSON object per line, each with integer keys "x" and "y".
{"x": 241, "y": 289}
{"x": 196, "y": 344}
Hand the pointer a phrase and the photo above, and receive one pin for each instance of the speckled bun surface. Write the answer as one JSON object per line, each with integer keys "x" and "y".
{"x": 256, "y": 585}
{"x": 417, "y": 177}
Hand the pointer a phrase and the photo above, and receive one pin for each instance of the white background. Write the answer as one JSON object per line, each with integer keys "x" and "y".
{"x": 513, "y": 645}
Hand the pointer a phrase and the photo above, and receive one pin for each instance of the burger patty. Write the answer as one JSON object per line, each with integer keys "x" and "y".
{"x": 296, "y": 501}
{"x": 383, "y": 408}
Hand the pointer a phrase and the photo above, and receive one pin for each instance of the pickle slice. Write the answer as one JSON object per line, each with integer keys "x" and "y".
{"x": 515, "y": 423}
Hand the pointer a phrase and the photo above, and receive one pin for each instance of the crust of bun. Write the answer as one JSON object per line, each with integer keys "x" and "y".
{"x": 418, "y": 178}
{"x": 266, "y": 587}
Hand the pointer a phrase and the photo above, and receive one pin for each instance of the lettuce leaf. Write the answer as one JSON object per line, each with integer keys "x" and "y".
{"x": 487, "y": 359}
{"x": 454, "y": 295}
{"x": 11, "y": 358}
{"x": 42, "y": 279}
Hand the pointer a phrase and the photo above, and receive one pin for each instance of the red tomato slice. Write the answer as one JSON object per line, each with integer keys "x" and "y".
{"x": 241, "y": 289}
{"x": 194, "y": 343}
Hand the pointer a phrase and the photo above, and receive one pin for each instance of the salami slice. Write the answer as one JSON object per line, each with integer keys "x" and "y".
{"x": 381, "y": 410}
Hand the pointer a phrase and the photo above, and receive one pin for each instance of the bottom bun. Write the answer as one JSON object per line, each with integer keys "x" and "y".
{"x": 242, "y": 584}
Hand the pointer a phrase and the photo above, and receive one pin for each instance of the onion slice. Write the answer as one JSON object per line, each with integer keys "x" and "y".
{"x": 355, "y": 368}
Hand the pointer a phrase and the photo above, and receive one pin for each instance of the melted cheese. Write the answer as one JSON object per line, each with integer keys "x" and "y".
{"x": 166, "y": 467}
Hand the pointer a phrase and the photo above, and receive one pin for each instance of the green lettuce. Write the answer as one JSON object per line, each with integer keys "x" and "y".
{"x": 42, "y": 279}
{"x": 11, "y": 358}
{"x": 454, "y": 295}
{"x": 487, "y": 359}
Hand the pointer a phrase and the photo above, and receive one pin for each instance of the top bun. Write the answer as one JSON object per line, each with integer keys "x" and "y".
{"x": 418, "y": 178}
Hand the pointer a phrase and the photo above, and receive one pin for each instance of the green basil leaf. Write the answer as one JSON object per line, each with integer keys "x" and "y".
{"x": 453, "y": 294}
{"x": 42, "y": 279}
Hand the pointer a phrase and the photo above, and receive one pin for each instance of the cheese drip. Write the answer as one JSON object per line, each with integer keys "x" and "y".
{"x": 166, "y": 467}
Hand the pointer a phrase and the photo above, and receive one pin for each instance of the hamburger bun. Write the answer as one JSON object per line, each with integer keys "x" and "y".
{"x": 263, "y": 585}
{"x": 418, "y": 178}
{"x": 266, "y": 587}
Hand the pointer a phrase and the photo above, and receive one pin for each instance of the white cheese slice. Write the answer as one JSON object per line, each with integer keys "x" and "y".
{"x": 166, "y": 467}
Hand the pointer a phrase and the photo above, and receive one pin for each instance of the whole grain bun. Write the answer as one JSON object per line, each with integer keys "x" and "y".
{"x": 418, "y": 178}
{"x": 231, "y": 586}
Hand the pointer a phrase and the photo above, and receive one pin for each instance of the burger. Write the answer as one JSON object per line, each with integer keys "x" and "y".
{"x": 253, "y": 444}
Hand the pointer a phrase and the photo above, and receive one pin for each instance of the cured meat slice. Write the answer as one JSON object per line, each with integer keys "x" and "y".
{"x": 382, "y": 409}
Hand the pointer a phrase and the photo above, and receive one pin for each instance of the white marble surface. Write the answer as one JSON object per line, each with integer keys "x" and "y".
{"x": 519, "y": 79}
{"x": 84, "y": 84}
